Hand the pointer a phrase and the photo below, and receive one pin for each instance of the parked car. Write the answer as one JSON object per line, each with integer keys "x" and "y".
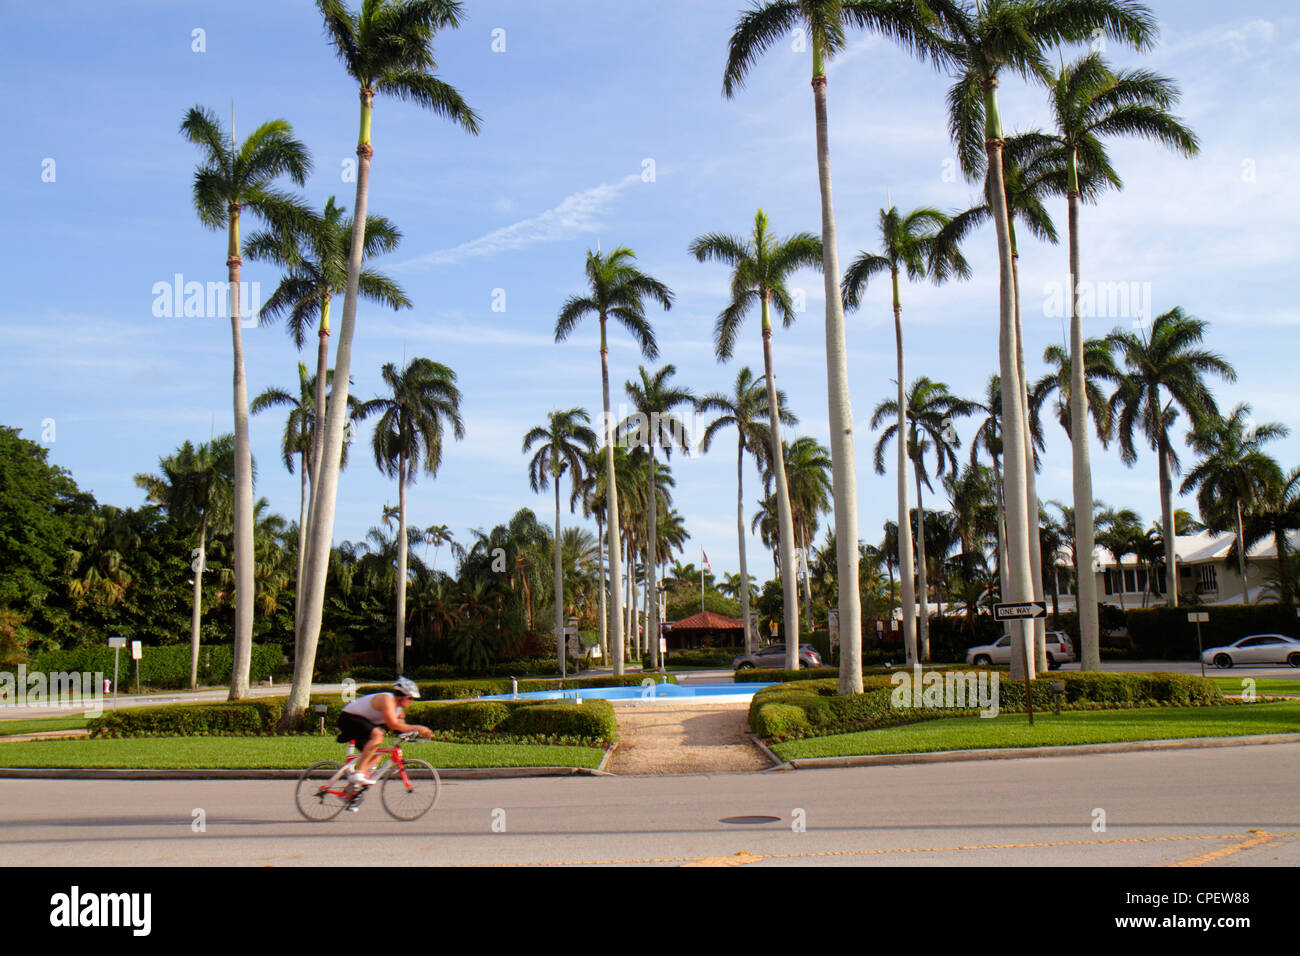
{"x": 1060, "y": 650}
{"x": 773, "y": 655}
{"x": 1256, "y": 649}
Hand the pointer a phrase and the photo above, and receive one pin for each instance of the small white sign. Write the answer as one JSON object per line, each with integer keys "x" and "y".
{"x": 117, "y": 642}
{"x": 1198, "y": 617}
{"x": 663, "y": 645}
{"x": 137, "y": 650}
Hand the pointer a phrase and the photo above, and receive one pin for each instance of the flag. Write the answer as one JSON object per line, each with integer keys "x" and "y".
{"x": 706, "y": 560}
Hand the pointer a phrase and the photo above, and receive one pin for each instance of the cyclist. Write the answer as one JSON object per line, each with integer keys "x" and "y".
{"x": 364, "y": 721}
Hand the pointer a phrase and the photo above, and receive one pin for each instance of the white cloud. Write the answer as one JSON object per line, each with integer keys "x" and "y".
{"x": 575, "y": 215}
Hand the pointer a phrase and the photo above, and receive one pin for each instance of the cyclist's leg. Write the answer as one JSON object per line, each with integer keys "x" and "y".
{"x": 368, "y": 758}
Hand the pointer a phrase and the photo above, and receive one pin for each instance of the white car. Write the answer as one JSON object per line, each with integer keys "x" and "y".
{"x": 1060, "y": 650}
{"x": 1256, "y": 649}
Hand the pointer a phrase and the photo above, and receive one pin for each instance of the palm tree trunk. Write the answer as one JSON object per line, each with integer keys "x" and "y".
{"x": 562, "y": 657}
{"x": 922, "y": 574}
{"x": 1085, "y": 534}
{"x": 906, "y": 572}
{"x": 304, "y": 481}
{"x": 1013, "y": 423}
{"x": 1031, "y": 475}
{"x": 1002, "y": 529}
{"x": 1241, "y": 557}
{"x": 601, "y": 544}
{"x": 1167, "y": 516}
{"x": 322, "y": 373}
{"x": 611, "y": 510}
{"x": 401, "y": 564}
{"x": 785, "y": 521}
{"x": 652, "y": 606}
{"x": 843, "y": 470}
{"x": 196, "y": 613}
{"x": 807, "y": 576}
{"x": 244, "y": 593}
{"x": 740, "y": 536}
{"x": 325, "y": 479}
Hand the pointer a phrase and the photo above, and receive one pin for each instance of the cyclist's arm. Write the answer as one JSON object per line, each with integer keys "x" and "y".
{"x": 388, "y": 710}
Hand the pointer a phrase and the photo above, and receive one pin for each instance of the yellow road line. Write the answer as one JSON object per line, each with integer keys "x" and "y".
{"x": 1253, "y": 838}
{"x": 1259, "y": 838}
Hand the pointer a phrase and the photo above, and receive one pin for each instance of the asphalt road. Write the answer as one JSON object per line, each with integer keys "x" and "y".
{"x": 1235, "y": 806}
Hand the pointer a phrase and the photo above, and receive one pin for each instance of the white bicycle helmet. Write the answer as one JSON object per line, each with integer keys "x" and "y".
{"x": 406, "y": 687}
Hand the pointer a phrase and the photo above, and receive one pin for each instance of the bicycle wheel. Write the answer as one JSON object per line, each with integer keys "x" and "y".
{"x": 315, "y": 802}
{"x": 413, "y": 797}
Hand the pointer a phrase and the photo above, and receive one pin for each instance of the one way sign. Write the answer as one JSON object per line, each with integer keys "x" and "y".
{"x": 1015, "y": 612}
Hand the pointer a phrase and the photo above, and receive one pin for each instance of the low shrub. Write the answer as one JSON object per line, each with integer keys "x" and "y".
{"x": 590, "y": 720}
{"x": 469, "y": 689}
{"x": 162, "y": 667}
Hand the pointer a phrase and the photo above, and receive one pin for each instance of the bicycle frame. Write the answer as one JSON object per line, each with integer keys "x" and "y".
{"x": 392, "y": 759}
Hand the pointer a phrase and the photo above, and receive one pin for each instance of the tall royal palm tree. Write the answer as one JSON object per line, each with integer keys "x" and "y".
{"x": 922, "y": 244}
{"x": 408, "y": 439}
{"x": 196, "y": 487}
{"x": 1167, "y": 361}
{"x": 386, "y": 47}
{"x": 808, "y": 471}
{"x": 985, "y": 39}
{"x": 235, "y": 179}
{"x": 826, "y": 22}
{"x": 654, "y": 425}
{"x": 930, "y": 415}
{"x": 619, "y": 291}
{"x": 315, "y": 260}
{"x": 1089, "y": 104}
{"x": 746, "y": 410}
{"x": 565, "y": 439}
{"x": 1233, "y": 473}
{"x": 760, "y": 267}
{"x": 299, "y": 427}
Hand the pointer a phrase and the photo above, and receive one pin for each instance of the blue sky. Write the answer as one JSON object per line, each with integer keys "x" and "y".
{"x": 582, "y": 96}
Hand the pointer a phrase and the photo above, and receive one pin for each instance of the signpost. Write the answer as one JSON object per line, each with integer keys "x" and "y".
{"x": 116, "y": 643}
{"x": 1197, "y": 618}
{"x": 137, "y": 651}
{"x": 1024, "y": 611}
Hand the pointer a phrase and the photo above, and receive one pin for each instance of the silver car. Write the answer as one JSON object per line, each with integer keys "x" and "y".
{"x": 773, "y": 656}
{"x": 1060, "y": 650}
{"x": 1256, "y": 649}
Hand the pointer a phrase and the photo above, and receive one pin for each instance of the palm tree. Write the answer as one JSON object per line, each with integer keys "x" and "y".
{"x": 297, "y": 440}
{"x": 195, "y": 487}
{"x": 760, "y": 267}
{"x": 808, "y": 471}
{"x": 930, "y": 413}
{"x": 984, "y": 39}
{"x": 618, "y": 291}
{"x": 1090, "y": 103}
{"x": 437, "y": 535}
{"x": 315, "y": 258}
{"x": 1120, "y": 533}
{"x": 386, "y": 48}
{"x": 408, "y": 439}
{"x": 744, "y": 410}
{"x": 825, "y": 22}
{"x": 1233, "y": 473}
{"x": 1277, "y": 513}
{"x": 234, "y": 179}
{"x": 564, "y": 440}
{"x": 923, "y": 244}
{"x": 1166, "y": 360}
{"x": 654, "y": 425}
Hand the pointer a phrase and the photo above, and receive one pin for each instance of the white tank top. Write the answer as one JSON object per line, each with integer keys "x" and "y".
{"x": 365, "y": 708}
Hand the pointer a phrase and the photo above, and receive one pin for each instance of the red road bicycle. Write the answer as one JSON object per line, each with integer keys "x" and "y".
{"x": 408, "y": 788}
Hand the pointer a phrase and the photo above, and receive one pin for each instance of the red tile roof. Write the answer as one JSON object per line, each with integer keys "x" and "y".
{"x": 707, "y": 621}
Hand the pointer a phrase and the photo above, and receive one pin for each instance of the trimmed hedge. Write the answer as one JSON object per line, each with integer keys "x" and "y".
{"x": 590, "y": 722}
{"x": 162, "y": 667}
{"x": 821, "y": 711}
{"x": 1164, "y": 632}
{"x": 700, "y": 657}
{"x": 469, "y": 689}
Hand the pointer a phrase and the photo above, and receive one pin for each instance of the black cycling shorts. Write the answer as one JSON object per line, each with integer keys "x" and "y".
{"x": 355, "y": 730}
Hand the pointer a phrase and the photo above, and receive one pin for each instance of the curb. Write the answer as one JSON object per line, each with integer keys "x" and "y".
{"x": 451, "y": 773}
{"x": 777, "y": 762}
{"x": 1012, "y": 753}
{"x": 44, "y": 735}
{"x": 604, "y": 761}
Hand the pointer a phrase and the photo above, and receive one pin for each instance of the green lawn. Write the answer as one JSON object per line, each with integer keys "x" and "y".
{"x": 1071, "y": 727}
{"x": 190, "y": 753}
{"x": 42, "y": 723}
{"x": 1263, "y": 685}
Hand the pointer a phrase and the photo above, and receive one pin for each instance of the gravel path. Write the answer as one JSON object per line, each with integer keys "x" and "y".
{"x": 690, "y": 738}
